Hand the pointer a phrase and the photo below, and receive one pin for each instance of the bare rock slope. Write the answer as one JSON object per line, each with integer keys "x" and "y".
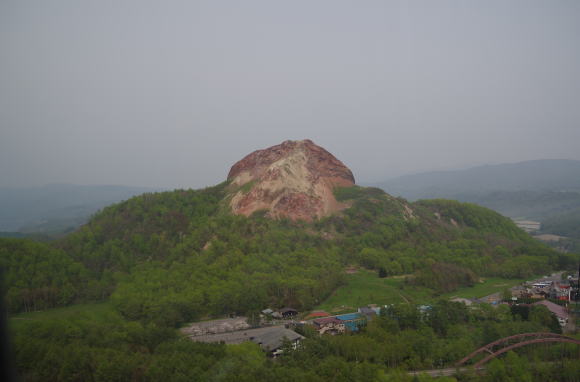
{"x": 294, "y": 179}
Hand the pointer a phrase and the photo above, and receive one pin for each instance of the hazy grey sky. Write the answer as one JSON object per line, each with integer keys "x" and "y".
{"x": 172, "y": 93}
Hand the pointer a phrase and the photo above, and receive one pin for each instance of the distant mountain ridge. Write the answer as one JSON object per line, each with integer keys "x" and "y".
{"x": 58, "y": 206}
{"x": 544, "y": 190}
{"x": 536, "y": 175}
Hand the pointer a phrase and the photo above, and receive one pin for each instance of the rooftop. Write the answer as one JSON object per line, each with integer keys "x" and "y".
{"x": 328, "y": 320}
{"x": 273, "y": 339}
{"x": 349, "y": 317}
{"x": 558, "y": 310}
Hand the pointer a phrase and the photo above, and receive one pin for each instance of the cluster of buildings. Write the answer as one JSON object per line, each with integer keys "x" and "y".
{"x": 327, "y": 324}
{"x": 271, "y": 338}
{"x": 282, "y": 314}
{"x": 556, "y": 290}
{"x": 538, "y": 292}
{"x": 276, "y": 324}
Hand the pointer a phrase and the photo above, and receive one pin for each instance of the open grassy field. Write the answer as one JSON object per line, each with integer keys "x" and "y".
{"x": 362, "y": 288}
{"x": 100, "y": 309}
{"x": 97, "y": 311}
{"x": 365, "y": 287}
{"x": 488, "y": 286}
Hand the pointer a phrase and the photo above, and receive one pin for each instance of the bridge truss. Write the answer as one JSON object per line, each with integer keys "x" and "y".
{"x": 506, "y": 344}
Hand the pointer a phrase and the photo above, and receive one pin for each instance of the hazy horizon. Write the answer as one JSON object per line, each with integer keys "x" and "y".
{"x": 172, "y": 94}
{"x": 370, "y": 182}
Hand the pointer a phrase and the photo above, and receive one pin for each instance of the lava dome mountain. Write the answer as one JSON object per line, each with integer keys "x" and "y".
{"x": 294, "y": 180}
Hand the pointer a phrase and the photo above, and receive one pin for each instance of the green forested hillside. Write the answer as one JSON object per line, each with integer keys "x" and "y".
{"x": 100, "y": 345}
{"x": 546, "y": 191}
{"x": 182, "y": 256}
{"x": 177, "y": 256}
{"x": 163, "y": 259}
{"x": 37, "y": 276}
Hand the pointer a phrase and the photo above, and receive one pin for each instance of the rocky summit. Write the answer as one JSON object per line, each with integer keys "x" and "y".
{"x": 294, "y": 180}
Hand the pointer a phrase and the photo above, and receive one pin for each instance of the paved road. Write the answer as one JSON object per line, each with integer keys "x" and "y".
{"x": 443, "y": 372}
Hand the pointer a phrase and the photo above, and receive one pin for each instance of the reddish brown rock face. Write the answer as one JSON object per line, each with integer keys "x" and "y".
{"x": 294, "y": 179}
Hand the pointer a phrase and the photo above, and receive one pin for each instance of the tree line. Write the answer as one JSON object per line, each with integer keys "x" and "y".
{"x": 107, "y": 347}
{"x": 177, "y": 256}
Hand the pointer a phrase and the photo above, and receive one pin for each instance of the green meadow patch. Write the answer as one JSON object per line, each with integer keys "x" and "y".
{"x": 489, "y": 285}
{"x": 100, "y": 312}
{"x": 365, "y": 287}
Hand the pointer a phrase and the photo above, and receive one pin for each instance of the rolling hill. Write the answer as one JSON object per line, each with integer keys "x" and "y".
{"x": 262, "y": 238}
{"x": 180, "y": 255}
{"x": 57, "y": 208}
{"x": 547, "y": 191}
{"x": 549, "y": 175}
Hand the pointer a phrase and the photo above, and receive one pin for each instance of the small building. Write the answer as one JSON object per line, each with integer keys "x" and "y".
{"x": 329, "y": 325}
{"x": 369, "y": 313}
{"x": 288, "y": 312}
{"x": 560, "y": 291}
{"x": 462, "y": 300}
{"x": 267, "y": 311}
{"x": 272, "y": 340}
{"x": 352, "y": 321}
{"x": 541, "y": 292}
{"x": 492, "y": 299}
{"x": 425, "y": 308}
{"x": 520, "y": 291}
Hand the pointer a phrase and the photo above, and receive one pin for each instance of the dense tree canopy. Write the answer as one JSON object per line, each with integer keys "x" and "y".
{"x": 166, "y": 258}
{"x": 37, "y": 276}
{"x": 176, "y": 256}
{"x": 401, "y": 338}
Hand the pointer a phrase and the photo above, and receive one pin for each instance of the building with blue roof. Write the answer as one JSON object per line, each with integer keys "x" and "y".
{"x": 349, "y": 316}
{"x": 352, "y": 321}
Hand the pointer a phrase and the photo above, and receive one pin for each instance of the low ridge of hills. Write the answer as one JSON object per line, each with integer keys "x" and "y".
{"x": 545, "y": 175}
{"x": 547, "y": 191}
{"x": 57, "y": 208}
{"x": 265, "y": 237}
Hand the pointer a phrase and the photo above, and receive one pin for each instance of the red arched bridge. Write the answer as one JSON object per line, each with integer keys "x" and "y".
{"x": 506, "y": 344}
